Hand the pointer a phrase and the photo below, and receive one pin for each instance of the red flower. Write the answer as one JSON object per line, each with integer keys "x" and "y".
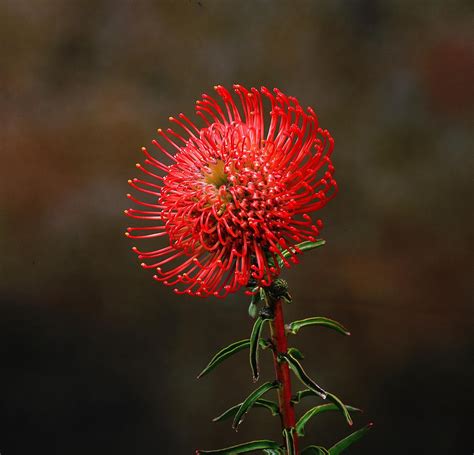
{"x": 234, "y": 193}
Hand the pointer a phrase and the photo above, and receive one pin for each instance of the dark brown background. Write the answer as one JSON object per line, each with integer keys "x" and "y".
{"x": 96, "y": 358}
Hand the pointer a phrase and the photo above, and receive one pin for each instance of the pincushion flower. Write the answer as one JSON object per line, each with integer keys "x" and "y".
{"x": 229, "y": 196}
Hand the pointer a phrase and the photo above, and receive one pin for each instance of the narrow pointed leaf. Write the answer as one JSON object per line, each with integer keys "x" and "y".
{"x": 261, "y": 403}
{"x": 289, "y": 435}
{"x": 318, "y": 410}
{"x": 343, "y": 444}
{"x": 302, "y": 394}
{"x": 341, "y": 406}
{"x": 228, "y": 413}
{"x": 303, "y": 246}
{"x": 253, "y": 308}
{"x": 296, "y": 367}
{"x": 295, "y": 326}
{"x": 224, "y": 354}
{"x": 254, "y": 345}
{"x": 279, "y": 451}
{"x": 270, "y": 405}
{"x": 244, "y": 448}
{"x": 315, "y": 450}
{"x": 250, "y": 401}
{"x": 263, "y": 295}
{"x": 296, "y": 353}
{"x": 264, "y": 344}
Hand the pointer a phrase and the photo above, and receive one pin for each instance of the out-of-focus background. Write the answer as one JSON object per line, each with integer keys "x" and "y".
{"x": 98, "y": 358}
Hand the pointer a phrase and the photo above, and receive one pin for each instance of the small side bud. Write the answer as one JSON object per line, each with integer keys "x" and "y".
{"x": 278, "y": 289}
{"x": 266, "y": 313}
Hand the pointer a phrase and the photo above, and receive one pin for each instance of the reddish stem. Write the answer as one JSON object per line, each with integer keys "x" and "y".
{"x": 282, "y": 370}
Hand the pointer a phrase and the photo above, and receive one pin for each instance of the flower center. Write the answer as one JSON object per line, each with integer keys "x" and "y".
{"x": 216, "y": 176}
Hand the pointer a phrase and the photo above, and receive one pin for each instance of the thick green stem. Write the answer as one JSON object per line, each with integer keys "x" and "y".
{"x": 282, "y": 370}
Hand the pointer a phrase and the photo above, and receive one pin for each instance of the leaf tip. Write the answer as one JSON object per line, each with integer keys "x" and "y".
{"x": 235, "y": 425}
{"x": 255, "y": 373}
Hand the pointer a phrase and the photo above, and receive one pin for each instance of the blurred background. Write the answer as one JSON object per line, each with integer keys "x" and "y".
{"x": 98, "y": 358}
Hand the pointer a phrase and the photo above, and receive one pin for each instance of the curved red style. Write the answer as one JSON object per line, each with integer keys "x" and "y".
{"x": 230, "y": 195}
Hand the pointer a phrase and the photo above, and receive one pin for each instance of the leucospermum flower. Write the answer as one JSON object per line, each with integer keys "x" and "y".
{"x": 230, "y": 195}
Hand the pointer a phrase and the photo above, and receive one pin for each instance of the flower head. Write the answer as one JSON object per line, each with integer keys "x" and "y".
{"x": 232, "y": 194}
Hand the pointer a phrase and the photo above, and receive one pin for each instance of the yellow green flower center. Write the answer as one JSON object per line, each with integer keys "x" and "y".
{"x": 216, "y": 176}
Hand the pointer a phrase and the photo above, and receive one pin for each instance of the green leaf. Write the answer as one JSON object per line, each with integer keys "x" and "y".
{"x": 336, "y": 404}
{"x": 296, "y": 353}
{"x": 265, "y": 344}
{"x": 253, "y": 308}
{"x": 243, "y": 448}
{"x": 302, "y": 394}
{"x": 289, "y": 435}
{"x": 270, "y": 405}
{"x": 261, "y": 403}
{"x": 224, "y": 354}
{"x": 296, "y": 367}
{"x": 341, "y": 406}
{"x": 295, "y": 326}
{"x": 254, "y": 345}
{"x": 263, "y": 295}
{"x": 250, "y": 401}
{"x": 343, "y": 444}
{"x": 303, "y": 246}
{"x": 314, "y": 450}
{"x": 318, "y": 410}
{"x": 228, "y": 413}
{"x": 279, "y": 451}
